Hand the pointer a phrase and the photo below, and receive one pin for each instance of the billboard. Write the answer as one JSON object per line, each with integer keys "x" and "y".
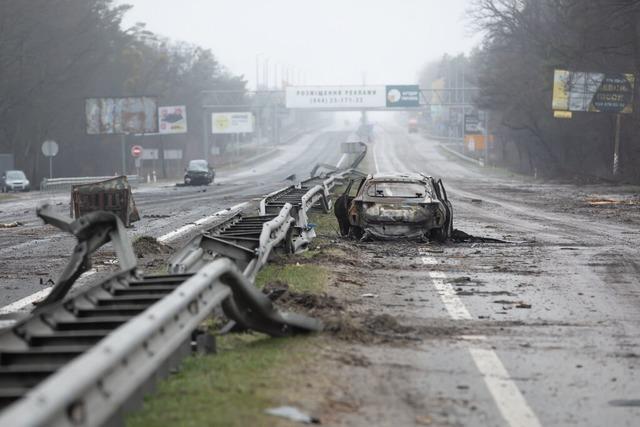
{"x": 405, "y": 96}
{"x": 226, "y": 123}
{"x": 318, "y": 97}
{"x": 593, "y": 92}
{"x": 172, "y": 119}
{"x": 118, "y": 116}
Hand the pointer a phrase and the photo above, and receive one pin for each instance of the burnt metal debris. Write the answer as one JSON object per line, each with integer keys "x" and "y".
{"x": 112, "y": 195}
{"x": 395, "y": 206}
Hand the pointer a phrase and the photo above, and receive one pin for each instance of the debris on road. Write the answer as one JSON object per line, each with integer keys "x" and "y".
{"x": 11, "y": 224}
{"x": 459, "y": 236}
{"x": 369, "y": 296}
{"x": 293, "y": 414}
{"x": 609, "y": 202}
{"x": 147, "y": 245}
{"x": 113, "y": 195}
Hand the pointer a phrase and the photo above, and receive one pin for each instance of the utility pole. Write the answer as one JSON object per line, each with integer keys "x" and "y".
{"x": 258, "y": 72}
{"x": 616, "y": 147}
{"x": 205, "y": 135}
{"x": 123, "y": 146}
{"x": 486, "y": 138}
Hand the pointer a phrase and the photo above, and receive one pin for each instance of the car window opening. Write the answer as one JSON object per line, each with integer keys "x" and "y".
{"x": 396, "y": 189}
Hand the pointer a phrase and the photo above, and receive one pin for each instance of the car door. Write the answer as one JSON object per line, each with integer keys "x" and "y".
{"x": 342, "y": 205}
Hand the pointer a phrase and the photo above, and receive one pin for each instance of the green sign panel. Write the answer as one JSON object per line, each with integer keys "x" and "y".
{"x": 403, "y": 96}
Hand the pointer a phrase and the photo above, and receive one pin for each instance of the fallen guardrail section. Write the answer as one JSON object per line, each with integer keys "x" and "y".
{"x": 84, "y": 360}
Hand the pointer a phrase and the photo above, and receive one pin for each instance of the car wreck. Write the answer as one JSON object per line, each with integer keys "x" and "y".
{"x": 395, "y": 206}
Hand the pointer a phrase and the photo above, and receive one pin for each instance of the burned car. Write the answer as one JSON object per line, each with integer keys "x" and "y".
{"x": 395, "y": 206}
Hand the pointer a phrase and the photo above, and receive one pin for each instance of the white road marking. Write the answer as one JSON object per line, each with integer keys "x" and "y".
{"x": 509, "y": 400}
{"x": 505, "y": 392}
{"x": 342, "y": 159}
{"x": 27, "y": 301}
{"x": 375, "y": 160}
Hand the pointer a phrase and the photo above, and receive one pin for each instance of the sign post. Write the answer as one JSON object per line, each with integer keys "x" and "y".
{"x": 50, "y": 150}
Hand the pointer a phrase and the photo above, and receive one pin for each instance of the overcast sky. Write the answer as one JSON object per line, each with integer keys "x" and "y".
{"x": 329, "y": 41}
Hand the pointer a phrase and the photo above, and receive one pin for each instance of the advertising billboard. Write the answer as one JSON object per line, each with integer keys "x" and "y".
{"x": 403, "y": 96}
{"x": 119, "y": 116}
{"x": 319, "y": 97}
{"x": 593, "y": 92}
{"x": 226, "y": 123}
{"x": 172, "y": 119}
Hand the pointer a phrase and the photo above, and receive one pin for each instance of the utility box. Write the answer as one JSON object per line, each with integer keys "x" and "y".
{"x": 113, "y": 195}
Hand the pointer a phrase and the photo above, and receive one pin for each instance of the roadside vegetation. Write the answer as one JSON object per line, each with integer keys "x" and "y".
{"x": 513, "y": 70}
{"x": 251, "y": 372}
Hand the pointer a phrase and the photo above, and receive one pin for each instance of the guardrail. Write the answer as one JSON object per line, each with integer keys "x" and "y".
{"x": 65, "y": 184}
{"x": 81, "y": 361}
{"x": 94, "y": 387}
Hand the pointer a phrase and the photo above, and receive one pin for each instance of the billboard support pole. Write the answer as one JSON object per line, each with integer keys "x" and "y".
{"x": 123, "y": 146}
{"x": 486, "y": 138}
{"x": 616, "y": 147}
{"x": 205, "y": 135}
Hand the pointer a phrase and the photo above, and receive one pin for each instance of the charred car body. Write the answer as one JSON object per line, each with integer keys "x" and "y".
{"x": 395, "y": 206}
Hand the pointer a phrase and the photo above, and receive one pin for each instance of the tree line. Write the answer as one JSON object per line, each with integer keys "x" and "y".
{"x": 513, "y": 68}
{"x": 56, "y": 53}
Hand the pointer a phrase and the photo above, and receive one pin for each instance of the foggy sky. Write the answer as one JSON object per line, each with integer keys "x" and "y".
{"x": 329, "y": 41}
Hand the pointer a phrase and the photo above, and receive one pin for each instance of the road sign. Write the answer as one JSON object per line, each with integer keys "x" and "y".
{"x": 226, "y": 123}
{"x": 172, "y": 120}
{"x": 50, "y": 148}
{"x": 399, "y": 96}
{"x": 136, "y": 151}
{"x": 321, "y": 97}
{"x": 150, "y": 154}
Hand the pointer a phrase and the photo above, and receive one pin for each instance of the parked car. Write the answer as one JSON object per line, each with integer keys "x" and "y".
{"x": 198, "y": 172}
{"x": 14, "y": 180}
{"x": 395, "y": 206}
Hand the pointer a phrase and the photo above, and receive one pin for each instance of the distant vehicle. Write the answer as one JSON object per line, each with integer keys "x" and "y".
{"x": 14, "y": 180}
{"x": 412, "y": 126}
{"x": 396, "y": 206}
{"x": 198, "y": 172}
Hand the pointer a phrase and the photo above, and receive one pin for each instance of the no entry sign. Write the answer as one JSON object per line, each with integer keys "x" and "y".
{"x": 136, "y": 151}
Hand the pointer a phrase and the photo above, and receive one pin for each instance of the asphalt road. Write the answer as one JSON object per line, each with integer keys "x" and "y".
{"x": 33, "y": 253}
{"x": 564, "y": 289}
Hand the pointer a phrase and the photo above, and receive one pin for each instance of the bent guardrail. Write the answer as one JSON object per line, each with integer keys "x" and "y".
{"x": 94, "y": 387}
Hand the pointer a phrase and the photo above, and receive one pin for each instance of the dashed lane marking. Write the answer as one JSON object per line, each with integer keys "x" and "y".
{"x": 506, "y": 394}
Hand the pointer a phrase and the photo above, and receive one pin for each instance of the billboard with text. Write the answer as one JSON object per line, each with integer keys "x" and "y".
{"x": 593, "y": 92}
{"x": 120, "y": 116}
{"x": 227, "y": 123}
{"x": 172, "y": 119}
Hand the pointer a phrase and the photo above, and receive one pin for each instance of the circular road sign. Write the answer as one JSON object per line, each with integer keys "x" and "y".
{"x": 50, "y": 148}
{"x": 136, "y": 151}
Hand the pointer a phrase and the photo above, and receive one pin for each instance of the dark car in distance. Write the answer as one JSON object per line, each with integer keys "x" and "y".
{"x": 395, "y": 206}
{"x": 198, "y": 172}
